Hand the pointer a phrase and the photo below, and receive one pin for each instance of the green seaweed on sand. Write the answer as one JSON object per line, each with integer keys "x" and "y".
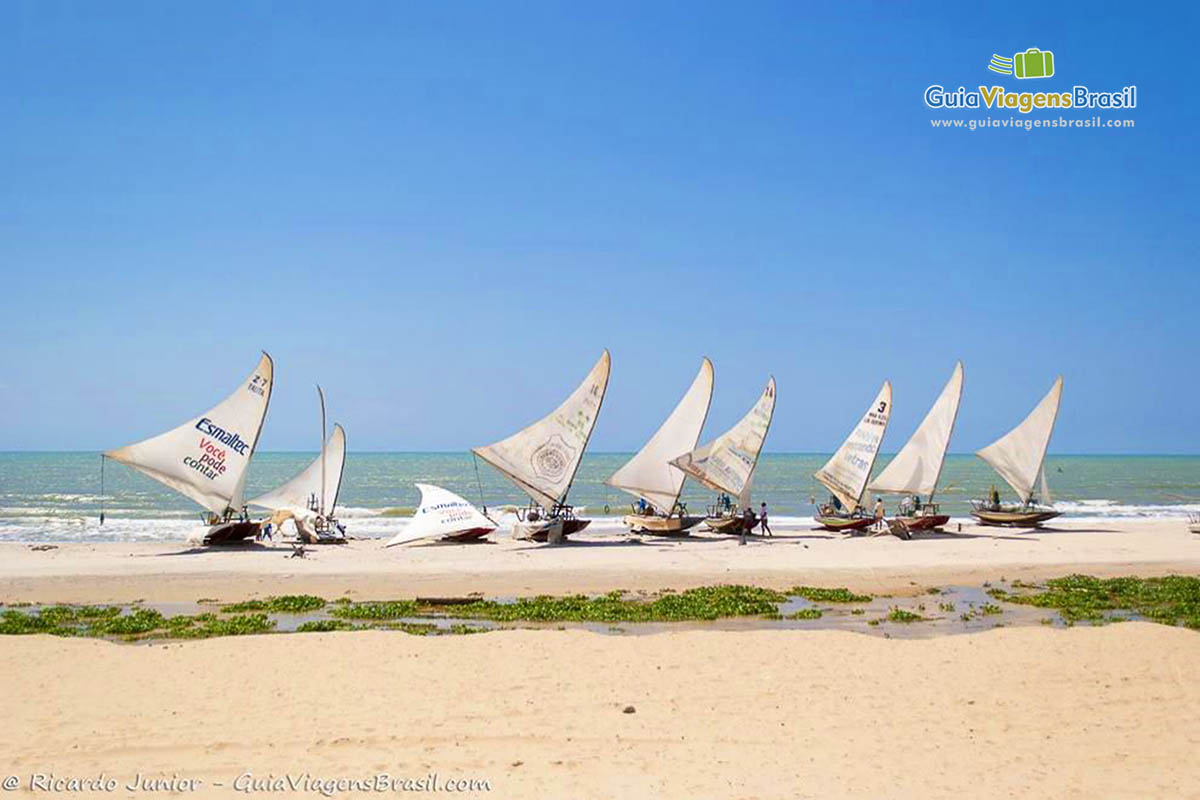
{"x": 391, "y": 609}
{"x": 806, "y": 613}
{"x": 326, "y": 625}
{"x": 1171, "y": 600}
{"x": 898, "y": 614}
{"x": 283, "y": 604}
{"x": 817, "y": 594}
{"x": 238, "y": 625}
{"x": 708, "y": 602}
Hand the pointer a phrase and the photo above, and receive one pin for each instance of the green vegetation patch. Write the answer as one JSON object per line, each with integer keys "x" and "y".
{"x": 816, "y": 594}
{"x": 392, "y": 609}
{"x": 806, "y": 613}
{"x": 900, "y": 615}
{"x": 237, "y": 625}
{"x": 705, "y": 603}
{"x": 284, "y": 604}
{"x": 326, "y": 625}
{"x": 1172, "y": 600}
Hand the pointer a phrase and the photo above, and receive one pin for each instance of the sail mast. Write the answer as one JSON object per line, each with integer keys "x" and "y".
{"x": 321, "y": 501}
{"x": 1019, "y": 455}
{"x": 846, "y": 473}
{"x": 727, "y": 463}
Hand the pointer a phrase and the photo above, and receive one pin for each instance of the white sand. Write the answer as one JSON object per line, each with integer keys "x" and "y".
{"x": 1030, "y": 712}
{"x": 114, "y": 572}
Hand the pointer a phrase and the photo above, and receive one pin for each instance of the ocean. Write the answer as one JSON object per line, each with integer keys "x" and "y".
{"x": 52, "y": 497}
{"x": 47, "y": 497}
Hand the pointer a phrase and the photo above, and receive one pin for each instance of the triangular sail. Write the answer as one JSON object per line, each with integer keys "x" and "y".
{"x": 918, "y": 465}
{"x": 206, "y": 457}
{"x": 297, "y": 494}
{"x": 649, "y": 474}
{"x": 542, "y": 459}
{"x": 847, "y": 473}
{"x": 726, "y": 463}
{"x": 442, "y": 513}
{"x": 1019, "y": 454}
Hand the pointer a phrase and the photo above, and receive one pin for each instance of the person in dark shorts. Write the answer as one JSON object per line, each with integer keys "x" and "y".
{"x": 762, "y": 521}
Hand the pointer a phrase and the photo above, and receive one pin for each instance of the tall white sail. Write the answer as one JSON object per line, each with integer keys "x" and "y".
{"x": 542, "y": 459}
{"x": 726, "y": 463}
{"x": 918, "y": 465}
{"x": 649, "y": 474}
{"x": 442, "y": 513}
{"x": 846, "y": 474}
{"x": 1019, "y": 454}
{"x": 297, "y": 495}
{"x": 206, "y": 458}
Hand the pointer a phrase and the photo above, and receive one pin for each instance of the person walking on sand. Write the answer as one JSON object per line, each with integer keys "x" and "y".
{"x": 762, "y": 521}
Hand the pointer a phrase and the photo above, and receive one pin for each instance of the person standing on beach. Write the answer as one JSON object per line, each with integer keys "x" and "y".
{"x": 762, "y": 521}
{"x": 880, "y": 512}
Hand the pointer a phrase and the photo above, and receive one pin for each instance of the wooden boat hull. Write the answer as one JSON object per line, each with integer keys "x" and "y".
{"x": 926, "y": 522}
{"x": 548, "y": 530}
{"x": 652, "y": 523}
{"x": 843, "y": 523}
{"x": 1013, "y": 519}
{"x": 733, "y": 524}
{"x": 231, "y": 532}
{"x": 471, "y": 535}
{"x": 1194, "y": 527}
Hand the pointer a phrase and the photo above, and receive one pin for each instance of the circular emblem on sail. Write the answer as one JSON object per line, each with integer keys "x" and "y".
{"x": 551, "y": 460}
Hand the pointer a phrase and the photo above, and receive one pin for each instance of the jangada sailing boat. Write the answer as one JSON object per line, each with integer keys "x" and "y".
{"x": 846, "y": 474}
{"x": 726, "y": 465}
{"x": 916, "y": 468}
{"x": 206, "y": 458}
{"x": 1019, "y": 456}
{"x": 443, "y": 515}
{"x": 310, "y": 498}
{"x": 650, "y": 476}
{"x": 542, "y": 459}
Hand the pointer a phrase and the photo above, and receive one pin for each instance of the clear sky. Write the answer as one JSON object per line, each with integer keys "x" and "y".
{"x": 444, "y": 211}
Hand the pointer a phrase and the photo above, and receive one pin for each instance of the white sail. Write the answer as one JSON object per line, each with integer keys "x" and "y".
{"x": 918, "y": 465}
{"x": 206, "y": 457}
{"x": 542, "y": 459}
{"x": 1019, "y": 454}
{"x": 649, "y": 474}
{"x": 298, "y": 494}
{"x": 442, "y": 513}
{"x": 726, "y": 463}
{"x": 846, "y": 474}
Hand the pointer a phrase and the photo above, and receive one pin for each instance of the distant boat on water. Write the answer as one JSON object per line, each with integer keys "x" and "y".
{"x": 310, "y": 498}
{"x": 845, "y": 475}
{"x": 917, "y": 467}
{"x": 652, "y": 478}
{"x": 542, "y": 459}
{"x": 1019, "y": 457}
{"x": 726, "y": 465}
{"x": 206, "y": 457}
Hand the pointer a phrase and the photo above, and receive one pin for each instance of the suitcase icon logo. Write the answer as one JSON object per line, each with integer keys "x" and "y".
{"x": 1033, "y": 63}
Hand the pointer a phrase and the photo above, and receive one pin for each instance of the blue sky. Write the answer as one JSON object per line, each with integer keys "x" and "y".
{"x": 444, "y": 211}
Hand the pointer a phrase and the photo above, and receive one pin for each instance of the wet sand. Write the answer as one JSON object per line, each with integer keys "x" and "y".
{"x": 593, "y": 562}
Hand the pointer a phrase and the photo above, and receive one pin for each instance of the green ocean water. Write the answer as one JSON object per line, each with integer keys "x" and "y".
{"x": 56, "y": 496}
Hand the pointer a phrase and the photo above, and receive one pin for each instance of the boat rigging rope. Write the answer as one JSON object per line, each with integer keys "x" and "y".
{"x": 479, "y": 483}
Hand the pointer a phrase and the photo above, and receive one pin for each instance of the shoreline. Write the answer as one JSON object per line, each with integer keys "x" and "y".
{"x": 118, "y": 572}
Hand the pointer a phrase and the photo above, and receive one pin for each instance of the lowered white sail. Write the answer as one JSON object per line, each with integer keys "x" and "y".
{"x": 918, "y": 465}
{"x": 298, "y": 494}
{"x": 846, "y": 474}
{"x": 1019, "y": 454}
{"x": 649, "y": 474}
{"x": 442, "y": 513}
{"x": 542, "y": 459}
{"x": 206, "y": 457}
{"x": 726, "y": 463}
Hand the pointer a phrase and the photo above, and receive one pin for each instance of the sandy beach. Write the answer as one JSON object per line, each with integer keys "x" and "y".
{"x": 594, "y": 562}
{"x": 763, "y": 714}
